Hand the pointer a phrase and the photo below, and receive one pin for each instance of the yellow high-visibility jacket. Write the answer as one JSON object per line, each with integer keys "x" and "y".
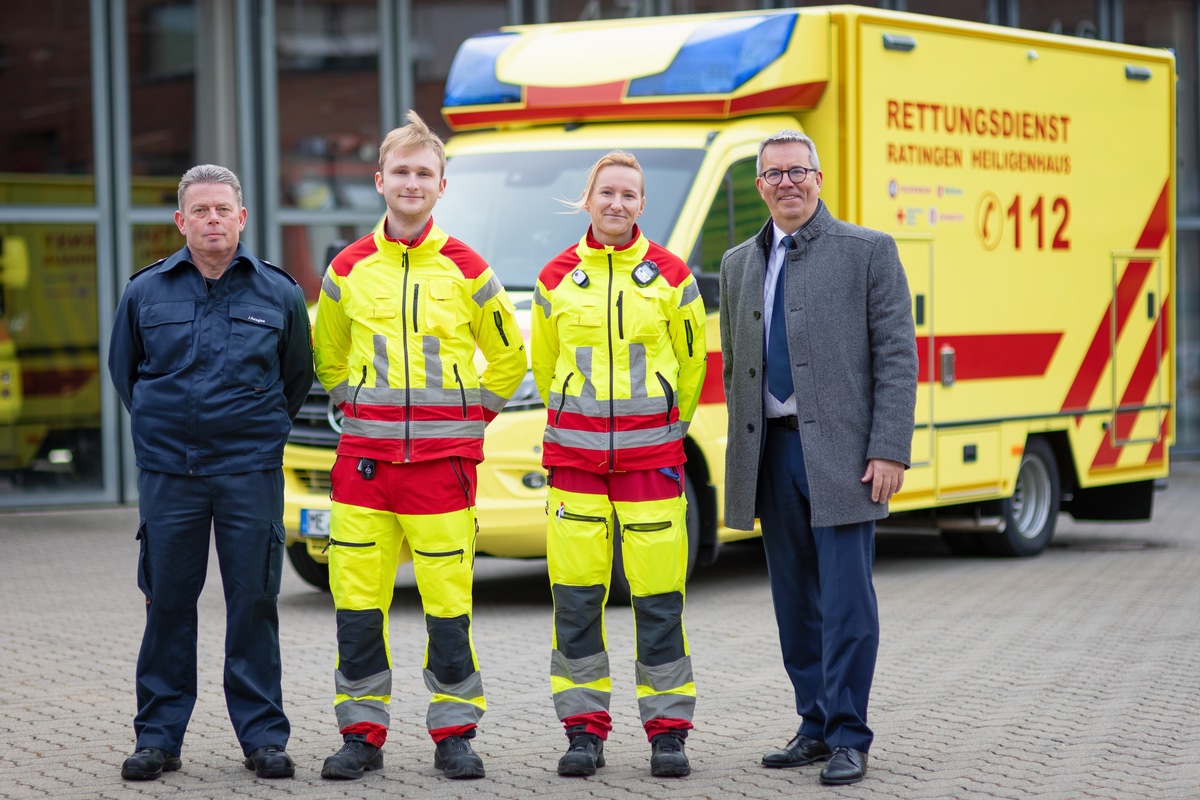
{"x": 395, "y": 336}
{"x": 618, "y": 354}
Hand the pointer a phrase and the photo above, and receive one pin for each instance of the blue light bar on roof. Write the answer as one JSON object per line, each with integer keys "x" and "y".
{"x": 472, "y": 79}
{"x": 720, "y": 56}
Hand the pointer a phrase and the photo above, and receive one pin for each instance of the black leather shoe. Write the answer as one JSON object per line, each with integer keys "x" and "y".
{"x": 583, "y": 756}
{"x": 455, "y": 758}
{"x": 845, "y": 766}
{"x": 356, "y": 757}
{"x": 799, "y": 751}
{"x": 148, "y": 763}
{"x": 271, "y": 761}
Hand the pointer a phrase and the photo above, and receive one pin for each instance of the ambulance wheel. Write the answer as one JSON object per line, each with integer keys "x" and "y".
{"x": 1031, "y": 514}
{"x": 311, "y": 571}
{"x": 618, "y": 587}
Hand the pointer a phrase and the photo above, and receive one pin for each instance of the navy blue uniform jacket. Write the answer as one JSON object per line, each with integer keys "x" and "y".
{"x": 211, "y": 379}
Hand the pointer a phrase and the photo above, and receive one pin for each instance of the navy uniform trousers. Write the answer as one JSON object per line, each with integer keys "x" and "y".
{"x": 178, "y": 513}
{"x": 824, "y": 599}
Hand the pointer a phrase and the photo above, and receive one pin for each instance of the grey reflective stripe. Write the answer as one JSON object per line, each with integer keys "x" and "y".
{"x": 541, "y": 301}
{"x": 690, "y": 292}
{"x": 430, "y": 396}
{"x": 331, "y": 289}
{"x": 487, "y": 291}
{"x": 380, "y": 361}
{"x": 637, "y": 371}
{"x": 353, "y": 711}
{"x": 340, "y": 393}
{"x": 431, "y": 346}
{"x": 623, "y": 407}
{"x": 576, "y": 701}
{"x": 491, "y": 401}
{"x": 583, "y": 360}
{"x": 436, "y": 429}
{"x": 666, "y": 681}
{"x": 459, "y": 711}
{"x": 665, "y": 677}
{"x": 589, "y": 440}
{"x": 588, "y": 669}
{"x": 666, "y": 706}
{"x": 683, "y": 426}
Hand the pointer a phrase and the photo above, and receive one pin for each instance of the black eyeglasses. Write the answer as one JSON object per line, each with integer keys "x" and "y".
{"x": 797, "y": 174}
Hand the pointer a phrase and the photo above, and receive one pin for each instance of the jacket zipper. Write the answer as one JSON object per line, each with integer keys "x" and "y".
{"x": 407, "y": 366}
{"x": 563, "y": 398}
{"x": 687, "y": 329}
{"x": 612, "y": 408}
{"x": 357, "y": 389}
{"x": 621, "y": 315}
{"x": 416, "y": 301}
{"x": 668, "y": 393}
{"x": 462, "y": 390}
{"x": 499, "y": 318}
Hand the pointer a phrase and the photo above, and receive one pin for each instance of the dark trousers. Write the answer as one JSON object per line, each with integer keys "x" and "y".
{"x": 177, "y": 515}
{"x": 824, "y": 600}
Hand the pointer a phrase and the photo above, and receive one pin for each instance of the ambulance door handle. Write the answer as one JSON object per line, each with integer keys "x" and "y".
{"x": 1150, "y": 305}
{"x": 919, "y": 309}
{"x": 947, "y": 356}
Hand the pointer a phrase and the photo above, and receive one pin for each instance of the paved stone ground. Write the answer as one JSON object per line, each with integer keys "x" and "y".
{"x": 1072, "y": 675}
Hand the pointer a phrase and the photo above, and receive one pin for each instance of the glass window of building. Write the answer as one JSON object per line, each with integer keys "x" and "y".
{"x": 161, "y": 66}
{"x": 1068, "y": 17}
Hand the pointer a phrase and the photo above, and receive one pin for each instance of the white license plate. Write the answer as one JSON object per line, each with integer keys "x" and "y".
{"x": 314, "y": 522}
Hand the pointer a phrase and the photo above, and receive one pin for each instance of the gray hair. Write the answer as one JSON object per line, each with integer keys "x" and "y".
{"x": 783, "y": 137}
{"x": 209, "y": 173}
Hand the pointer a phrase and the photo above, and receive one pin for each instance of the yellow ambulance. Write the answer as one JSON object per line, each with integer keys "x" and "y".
{"x": 1027, "y": 178}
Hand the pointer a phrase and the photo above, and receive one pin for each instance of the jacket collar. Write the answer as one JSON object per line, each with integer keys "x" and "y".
{"x": 808, "y": 231}
{"x": 184, "y": 256}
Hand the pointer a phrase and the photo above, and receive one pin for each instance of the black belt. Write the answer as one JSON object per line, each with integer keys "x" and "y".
{"x": 791, "y": 422}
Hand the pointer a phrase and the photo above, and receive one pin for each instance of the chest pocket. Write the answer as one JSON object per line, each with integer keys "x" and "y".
{"x": 646, "y": 320}
{"x": 167, "y": 335}
{"x": 436, "y": 307}
{"x": 252, "y": 356}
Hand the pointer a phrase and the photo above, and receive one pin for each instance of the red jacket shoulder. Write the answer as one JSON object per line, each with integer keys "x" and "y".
{"x": 559, "y": 267}
{"x": 470, "y": 263}
{"x": 344, "y": 261}
{"x": 670, "y": 266}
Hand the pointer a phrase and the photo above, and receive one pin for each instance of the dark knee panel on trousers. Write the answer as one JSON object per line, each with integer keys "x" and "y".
{"x": 659, "y": 632}
{"x": 361, "y": 650}
{"x": 450, "y": 648}
{"x": 577, "y": 612}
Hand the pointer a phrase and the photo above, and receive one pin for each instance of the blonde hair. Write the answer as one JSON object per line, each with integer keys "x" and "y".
{"x": 616, "y": 158}
{"x": 415, "y": 135}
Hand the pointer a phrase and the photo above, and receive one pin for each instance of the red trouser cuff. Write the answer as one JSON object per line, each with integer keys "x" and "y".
{"x": 595, "y": 722}
{"x": 437, "y": 734}
{"x": 679, "y": 727}
{"x": 376, "y": 734}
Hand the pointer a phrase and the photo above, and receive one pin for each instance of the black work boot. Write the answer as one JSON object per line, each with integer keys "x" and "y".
{"x": 148, "y": 763}
{"x": 356, "y": 757}
{"x": 455, "y": 758}
{"x": 667, "y": 759}
{"x": 584, "y": 754}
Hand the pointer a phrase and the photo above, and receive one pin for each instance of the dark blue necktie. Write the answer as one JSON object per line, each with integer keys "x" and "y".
{"x": 779, "y": 368}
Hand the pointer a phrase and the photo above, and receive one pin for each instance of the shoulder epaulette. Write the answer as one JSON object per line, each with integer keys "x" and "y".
{"x": 280, "y": 270}
{"x": 147, "y": 268}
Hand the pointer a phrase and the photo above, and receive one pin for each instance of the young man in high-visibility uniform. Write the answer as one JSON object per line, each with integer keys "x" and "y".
{"x": 401, "y": 313}
{"x": 618, "y": 348}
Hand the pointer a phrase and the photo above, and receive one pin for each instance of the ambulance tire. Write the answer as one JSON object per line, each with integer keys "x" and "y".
{"x": 311, "y": 571}
{"x": 618, "y": 587}
{"x": 1031, "y": 514}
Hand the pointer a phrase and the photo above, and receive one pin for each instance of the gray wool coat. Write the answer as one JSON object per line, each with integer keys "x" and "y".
{"x": 854, "y": 363}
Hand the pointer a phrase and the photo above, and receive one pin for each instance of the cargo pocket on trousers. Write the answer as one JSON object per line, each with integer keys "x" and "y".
{"x": 355, "y": 573}
{"x": 654, "y": 561}
{"x": 274, "y": 571}
{"x": 580, "y": 547}
{"x": 143, "y": 569}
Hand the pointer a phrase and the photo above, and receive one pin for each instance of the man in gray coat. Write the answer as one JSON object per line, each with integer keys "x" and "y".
{"x": 820, "y": 371}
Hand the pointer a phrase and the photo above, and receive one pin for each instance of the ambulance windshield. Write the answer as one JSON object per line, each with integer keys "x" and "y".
{"x": 506, "y": 205}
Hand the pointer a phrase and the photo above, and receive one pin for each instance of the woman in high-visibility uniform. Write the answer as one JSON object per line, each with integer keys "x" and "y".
{"x": 618, "y": 354}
